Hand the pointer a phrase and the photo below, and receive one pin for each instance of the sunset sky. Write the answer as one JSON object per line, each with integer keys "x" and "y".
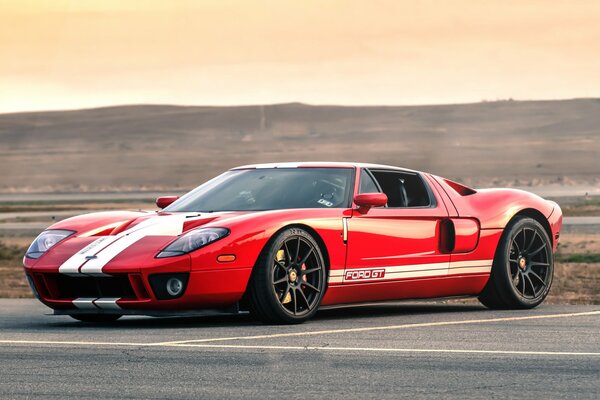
{"x": 74, "y": 54}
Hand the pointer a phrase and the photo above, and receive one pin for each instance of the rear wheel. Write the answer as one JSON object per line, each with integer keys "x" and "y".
{"x": 523, "y": 267}
{"x": 96, "y": 318}
{"x": 289, "y": 279}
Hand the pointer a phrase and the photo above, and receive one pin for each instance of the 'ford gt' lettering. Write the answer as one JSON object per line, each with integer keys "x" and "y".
{"x": 364, "y": 274}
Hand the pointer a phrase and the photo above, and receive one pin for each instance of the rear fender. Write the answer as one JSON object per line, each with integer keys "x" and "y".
{"x": 494, "y": 208}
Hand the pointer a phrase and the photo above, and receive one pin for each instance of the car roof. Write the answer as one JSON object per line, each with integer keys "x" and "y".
{"x": 322, "y": 164}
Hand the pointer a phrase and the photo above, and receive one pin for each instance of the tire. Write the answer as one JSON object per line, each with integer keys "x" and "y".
{"x": 523, "y": 267}
{"x": 289, "y": 279}
{"x": 96, "y": 318}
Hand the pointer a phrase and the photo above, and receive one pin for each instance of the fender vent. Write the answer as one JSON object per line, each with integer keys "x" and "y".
{"x": 447, "y": 236}
{"x": 460, "y": 189}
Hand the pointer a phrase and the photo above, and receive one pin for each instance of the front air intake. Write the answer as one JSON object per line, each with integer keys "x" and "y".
{"x": 64, "y": 287}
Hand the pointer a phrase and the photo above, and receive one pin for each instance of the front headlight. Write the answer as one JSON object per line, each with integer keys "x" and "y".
{"x": 45, "y": 241}
{"x": 193, "y": 240}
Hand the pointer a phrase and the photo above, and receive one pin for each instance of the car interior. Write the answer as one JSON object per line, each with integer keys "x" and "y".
{"x": 403, "y": 189}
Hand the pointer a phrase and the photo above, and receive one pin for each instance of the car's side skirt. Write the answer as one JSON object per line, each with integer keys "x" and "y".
{"x": 391, "y": 273}
{"x": 423, "y": 287}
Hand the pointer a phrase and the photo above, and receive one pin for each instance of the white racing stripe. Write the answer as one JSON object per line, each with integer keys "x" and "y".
{"x": 469, "y": 270}
{"x": 277, "y": 165}
{"x": 171, "y": 225}
{"x": 471, "y": 263}
{"x": 416, "y": 271}
{"x": 72, "y": 265}
{"x": 91, "y": 259}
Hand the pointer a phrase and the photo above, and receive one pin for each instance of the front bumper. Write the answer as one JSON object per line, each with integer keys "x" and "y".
{"x": 206, "y": 312}
{"x": 132, "y": 293}
{"x": 124, "y": 284}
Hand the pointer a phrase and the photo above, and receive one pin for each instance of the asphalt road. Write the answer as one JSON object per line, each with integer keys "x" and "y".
{"x": 384, "y": 351}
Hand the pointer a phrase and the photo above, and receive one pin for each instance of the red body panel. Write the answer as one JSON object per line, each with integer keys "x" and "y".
{"x": 466, "y": 234}
{"x": 381, "y": 254}
{"x": 424, "y": 288}
{"x": 395, "y": 237}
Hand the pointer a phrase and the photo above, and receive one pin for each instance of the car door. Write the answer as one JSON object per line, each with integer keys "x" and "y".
{"x": 400, "y": 241}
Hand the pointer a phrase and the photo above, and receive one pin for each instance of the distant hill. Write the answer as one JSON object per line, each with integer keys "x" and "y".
{"x": 171, "y": 147}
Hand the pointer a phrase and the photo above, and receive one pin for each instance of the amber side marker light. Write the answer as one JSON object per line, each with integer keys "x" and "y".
{"x": 226, "y": 258}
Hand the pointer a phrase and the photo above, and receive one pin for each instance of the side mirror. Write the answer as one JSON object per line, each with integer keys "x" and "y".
{"x": 163, "y": 202}
{"x": 365, "y": 201}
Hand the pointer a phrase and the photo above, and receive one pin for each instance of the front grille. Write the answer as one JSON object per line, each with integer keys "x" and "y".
{"x": 70, "y": 287}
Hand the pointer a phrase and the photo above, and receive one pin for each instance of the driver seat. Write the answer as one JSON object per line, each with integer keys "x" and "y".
{"x": 403, "y": 195}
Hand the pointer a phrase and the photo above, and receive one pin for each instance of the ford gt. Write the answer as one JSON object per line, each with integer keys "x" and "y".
{"x": 282, "y": 240}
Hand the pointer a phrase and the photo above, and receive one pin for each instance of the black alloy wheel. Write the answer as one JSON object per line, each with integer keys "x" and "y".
{"x": 530, "y": 258}
{"x": 289, "y": 280}
{"x": 523, "y": 267}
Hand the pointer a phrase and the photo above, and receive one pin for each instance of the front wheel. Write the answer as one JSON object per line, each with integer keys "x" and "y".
{"x": 289, "y": 279}
{"x": 523, "y": 267}
{"x": 96, "y": 318}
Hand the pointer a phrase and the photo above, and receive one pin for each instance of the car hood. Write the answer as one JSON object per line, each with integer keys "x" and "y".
{"x": 107, "y": 237}
{"x": 153, "y": 223}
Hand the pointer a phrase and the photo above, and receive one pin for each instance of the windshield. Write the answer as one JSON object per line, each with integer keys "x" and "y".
{"x": 270, "y": 189}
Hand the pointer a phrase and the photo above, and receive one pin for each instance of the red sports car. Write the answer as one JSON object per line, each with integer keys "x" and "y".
{"x": 280, "y": 240}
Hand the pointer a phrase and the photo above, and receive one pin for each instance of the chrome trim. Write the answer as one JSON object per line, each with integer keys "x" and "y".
{"x": 105, "y": 303}
{"x": 85, "y": 303}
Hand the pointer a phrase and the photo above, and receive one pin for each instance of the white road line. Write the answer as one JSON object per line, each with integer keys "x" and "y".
{"x": 388, "y": 327}
{"x": 202, "y": 343}
{"x": 304, "y": 348}
{"x": 393, "y": 350}
{"x": 75, "y": 343}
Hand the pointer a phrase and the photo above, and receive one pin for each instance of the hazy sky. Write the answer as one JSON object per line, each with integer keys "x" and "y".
{"x": 72, "y": 54}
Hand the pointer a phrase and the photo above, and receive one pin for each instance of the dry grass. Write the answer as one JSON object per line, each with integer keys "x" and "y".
{"x": 577, "y": 271}
{"x": 583, "y": 208}
{"x": 576, "y": 283}
{"x": 12, "y": 279}
{"x": 578, "y": 243}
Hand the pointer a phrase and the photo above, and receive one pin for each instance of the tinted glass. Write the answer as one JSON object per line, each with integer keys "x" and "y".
{"x": 403, "y": 189}
{"x": 367, "y": 184}
{"x": 270, "y": 189}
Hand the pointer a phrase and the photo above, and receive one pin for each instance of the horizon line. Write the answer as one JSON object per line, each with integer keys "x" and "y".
{"x": 123, "y": 105}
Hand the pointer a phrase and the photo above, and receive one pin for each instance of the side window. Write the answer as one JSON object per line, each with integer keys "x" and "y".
{"x": 403, "y": 189}
{"x": 367, "y": 184}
